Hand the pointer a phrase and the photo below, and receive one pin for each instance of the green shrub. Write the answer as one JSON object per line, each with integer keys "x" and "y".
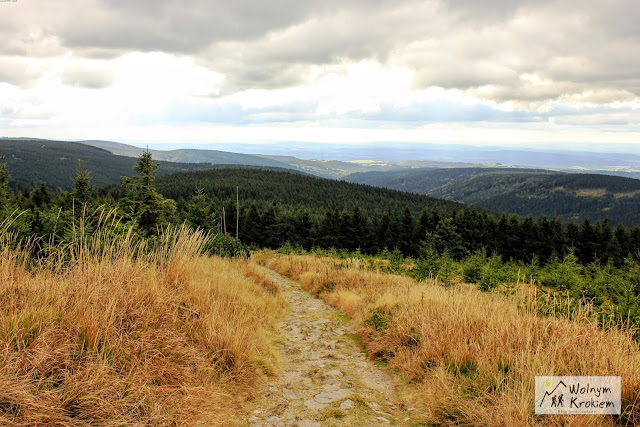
{"x": 379, "y": 320}
{"x": 492, "y": 274}
{"x": 472, "y": 267}
{"x": 226, "y": 246}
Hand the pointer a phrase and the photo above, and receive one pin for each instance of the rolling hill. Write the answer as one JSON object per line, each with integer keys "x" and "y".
{"x": 293, "y": 190}
{"x": 572, "y": 197}
{"x": 190, "y": 155}
{"x": 32, "y": 161}
{"x": 319, "y": 167}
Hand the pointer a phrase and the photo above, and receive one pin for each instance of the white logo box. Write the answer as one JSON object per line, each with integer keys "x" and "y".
{"x": 578, "y": 395}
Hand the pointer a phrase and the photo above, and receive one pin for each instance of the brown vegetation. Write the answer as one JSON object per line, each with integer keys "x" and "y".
{"x": 110, "y": 332}
{"x": 472, "y": 356}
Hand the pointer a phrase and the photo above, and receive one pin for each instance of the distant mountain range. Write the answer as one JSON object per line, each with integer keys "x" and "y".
{"x": 190, "y": 155}
{"x": 319, "y": 167}
{"x": 574, "y": 196}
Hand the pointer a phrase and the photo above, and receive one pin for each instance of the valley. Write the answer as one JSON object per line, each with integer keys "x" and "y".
{"x": 338, "y": 304}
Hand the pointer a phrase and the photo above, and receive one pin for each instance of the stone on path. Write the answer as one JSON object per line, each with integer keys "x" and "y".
{"x": 288, "y": 394}
{"x": 332, "y": 396}
{"x": 347, "y": 404}
{"x": 333, "y": 374}
{"x": 312, "y": 404}
{"x": 323, "y": 370}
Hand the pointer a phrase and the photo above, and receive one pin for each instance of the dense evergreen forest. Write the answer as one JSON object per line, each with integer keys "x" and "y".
{"x": 276, "y": 207}
{"x": 286, "y": 209}
{"x": 571, "y": 196}
{"x": 32, "y": 161}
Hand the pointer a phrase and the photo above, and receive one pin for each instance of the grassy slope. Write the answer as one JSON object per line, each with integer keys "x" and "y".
{"x": 122, "y": 336}
{"x": 470, "y": 356}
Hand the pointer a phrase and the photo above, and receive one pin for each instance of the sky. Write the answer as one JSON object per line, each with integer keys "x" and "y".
{"x": 206, "y": 72}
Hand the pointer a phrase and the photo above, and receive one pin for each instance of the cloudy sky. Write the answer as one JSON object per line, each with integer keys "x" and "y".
{"x": 347, "y": 71}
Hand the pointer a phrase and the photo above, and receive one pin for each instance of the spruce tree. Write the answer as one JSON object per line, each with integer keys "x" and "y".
{"x": 82, "y": 188}
{"x": 142, "y": 204}
{"x": 199, "y": 212}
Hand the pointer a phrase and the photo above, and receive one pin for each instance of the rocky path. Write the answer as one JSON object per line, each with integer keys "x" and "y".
{"x": 326, "y": 380}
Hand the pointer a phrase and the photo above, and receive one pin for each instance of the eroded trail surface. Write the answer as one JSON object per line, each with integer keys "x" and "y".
{"x": 327, "y": 380}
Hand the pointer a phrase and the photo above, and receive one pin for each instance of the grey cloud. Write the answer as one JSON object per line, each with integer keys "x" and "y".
{"x": 16, "y": 71}
{"x": 186, "y": 26}
{"x": 88, "y": 78}
{"x": 579, "y": 49}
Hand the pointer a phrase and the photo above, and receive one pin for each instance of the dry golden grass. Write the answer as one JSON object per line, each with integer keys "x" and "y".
{"x": 107, "y": 332}
{"x": 472, "y": 355}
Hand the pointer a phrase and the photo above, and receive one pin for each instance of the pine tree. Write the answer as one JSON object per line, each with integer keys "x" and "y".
{"x": 142, "y": 204}
{"x": 198, "y": 212}
{"x": 82, "y": 188}
{"x": 250, "y": 232}
{"x": 41, "y": 196}
{"x": 407, "y": 234}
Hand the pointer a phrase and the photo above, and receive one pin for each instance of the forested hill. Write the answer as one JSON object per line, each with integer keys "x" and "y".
{"x": 33, "y": 161}
{"x": 276, "y": 207}
{"x": 291, "y": 190}
{"x": 423, "y": 180}
{"x": 572, "y": 197}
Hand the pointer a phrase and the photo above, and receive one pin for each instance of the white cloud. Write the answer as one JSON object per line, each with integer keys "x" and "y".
{"x": 453, "y": 69}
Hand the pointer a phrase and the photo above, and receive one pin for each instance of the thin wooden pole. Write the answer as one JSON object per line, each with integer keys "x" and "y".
{"x": 237, "y": 213}
{"x": 224, "y": 222}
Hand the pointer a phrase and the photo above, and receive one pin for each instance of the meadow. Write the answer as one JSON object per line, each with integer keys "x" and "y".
{"x": 471, "y": 356}
{"x": 113, "y": 330}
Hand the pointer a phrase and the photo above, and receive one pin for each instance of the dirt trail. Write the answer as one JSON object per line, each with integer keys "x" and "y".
{"x": 327, "y": 380}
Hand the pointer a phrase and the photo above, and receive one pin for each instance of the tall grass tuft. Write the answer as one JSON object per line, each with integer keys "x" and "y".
{"x": 109, "y": 329}
{"x": 473, "y": 355}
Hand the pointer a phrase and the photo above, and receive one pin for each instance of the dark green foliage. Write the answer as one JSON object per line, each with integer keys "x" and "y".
{"x": 347, "y": 220}
{"x": 142, "y": 204}
{"x": 473, "y": 266}
{"x": 4, "y": 186}
{"x": 493, "y": 274}
{"x": 379, "y": 319}
{"x": 564, "y": 275}
{"x": 427, "y": 264}
{"x": 82, "y": 188}
{"x": 292, "y": 191}
{"x": 396, "y": 262}
{"x": 34, "y": 161}
{"x": 200, "y": 213}
{"x": 570, "y": 196}
{"x": 226, "y": 246}
{"x": 446, "y": 237}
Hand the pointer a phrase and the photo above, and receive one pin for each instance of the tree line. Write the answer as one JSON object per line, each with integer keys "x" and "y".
{"x": 277, "y": 207}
